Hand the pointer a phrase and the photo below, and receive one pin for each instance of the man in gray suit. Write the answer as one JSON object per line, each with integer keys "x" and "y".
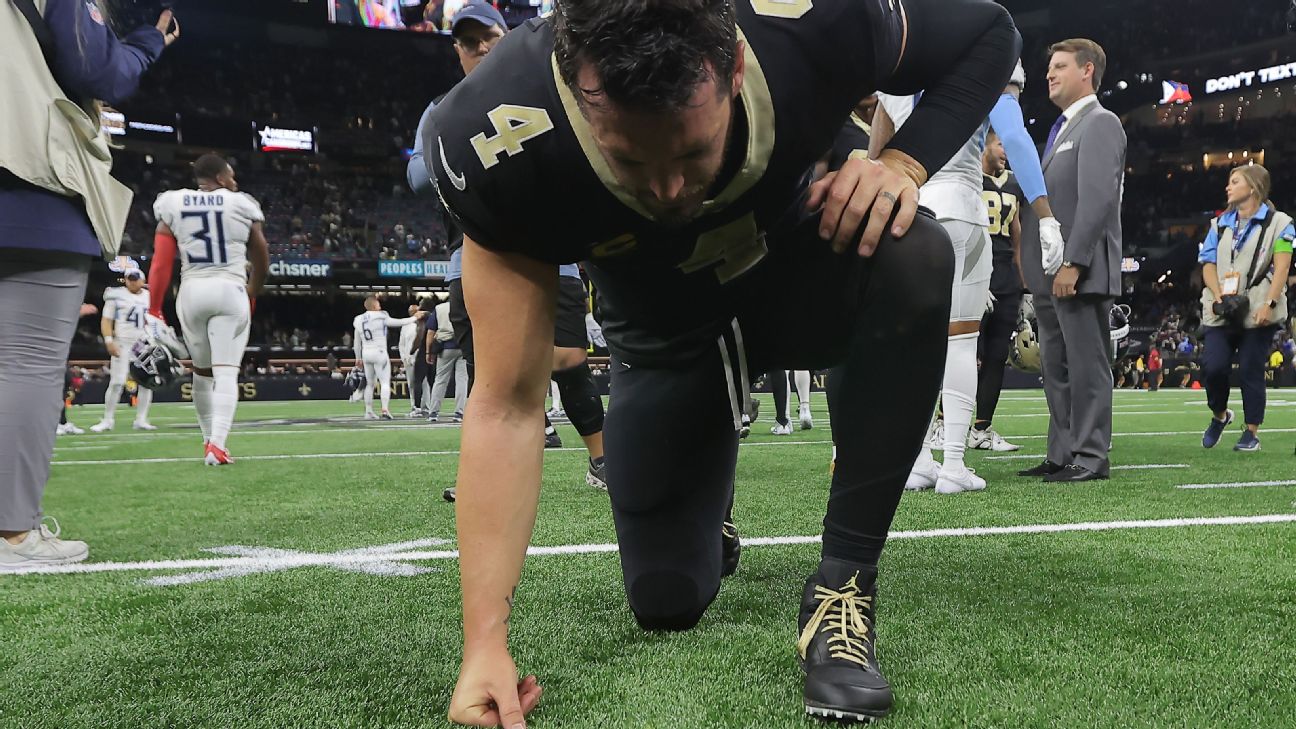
{"x": 1075, "y": 287}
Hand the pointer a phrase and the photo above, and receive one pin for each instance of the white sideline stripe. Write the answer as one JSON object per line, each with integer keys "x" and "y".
{"x": 1237, "y": 485}
{"x": 1127, "y": 413}
{"x": 1159, "y": 433}
{"x": 1142, "y": 467}
{"x": 372, "y": 454}
{"x": 355, "y": 560}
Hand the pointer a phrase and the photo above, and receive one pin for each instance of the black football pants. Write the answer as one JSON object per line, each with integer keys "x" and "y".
{"x": 997, "y": 330}
{"x": 671, "y": 434}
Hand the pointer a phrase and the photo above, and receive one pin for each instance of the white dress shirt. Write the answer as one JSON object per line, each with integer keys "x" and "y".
{"x": 1074, "y": 109}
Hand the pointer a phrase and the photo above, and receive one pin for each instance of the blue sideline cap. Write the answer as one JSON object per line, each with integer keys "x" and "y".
{"x": 480, "y": 11}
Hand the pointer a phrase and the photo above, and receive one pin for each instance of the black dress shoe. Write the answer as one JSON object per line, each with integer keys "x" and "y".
{"x": 1044, "y": 469}
{"x": 1073, "y": 474}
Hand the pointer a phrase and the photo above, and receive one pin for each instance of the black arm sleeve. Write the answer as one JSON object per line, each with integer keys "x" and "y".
{"x": 960, "y": 54}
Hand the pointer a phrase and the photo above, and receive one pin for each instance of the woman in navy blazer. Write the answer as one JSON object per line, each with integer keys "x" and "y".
{"x": 47, "y": 245}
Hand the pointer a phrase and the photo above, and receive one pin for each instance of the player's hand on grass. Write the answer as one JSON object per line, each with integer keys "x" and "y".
{"x": 865, "y": 189}
{"x": 489, "y": 692}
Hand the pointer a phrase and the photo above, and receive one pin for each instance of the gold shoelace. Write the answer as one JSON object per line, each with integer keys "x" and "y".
{"x": 841, "y": 613}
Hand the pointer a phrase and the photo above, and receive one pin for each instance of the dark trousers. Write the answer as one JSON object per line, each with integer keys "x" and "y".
{"x": 463, "y": 333}
{"x": 670, "y": 479}
{"x": 997, "y": 330}
{"x": 423, "y": 372}
{"x": 1250, "y": 349}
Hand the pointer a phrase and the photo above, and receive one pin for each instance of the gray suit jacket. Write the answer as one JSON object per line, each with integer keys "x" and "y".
{"x": 1084, "y": 173}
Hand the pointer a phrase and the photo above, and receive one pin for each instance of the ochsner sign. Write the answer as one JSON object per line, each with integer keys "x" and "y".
{"x": 1246, "y": 79}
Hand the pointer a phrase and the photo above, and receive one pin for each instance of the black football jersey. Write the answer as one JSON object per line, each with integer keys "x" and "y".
{"x": 851, "y": 141}
{"x": 515, "y": 162}
{"x": 1003, "y": 198}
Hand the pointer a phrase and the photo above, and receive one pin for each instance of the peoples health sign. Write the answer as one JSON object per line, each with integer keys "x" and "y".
{"x": 413, "y": 269}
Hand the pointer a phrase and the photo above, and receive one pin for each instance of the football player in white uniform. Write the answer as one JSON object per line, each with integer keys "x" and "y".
{"x": 954, "y": 194}
{"x": 406, "y": 346}
{"x": 122, "y": 326}
{"x": 218, "y": 231}
{"x": 370, "y": 342}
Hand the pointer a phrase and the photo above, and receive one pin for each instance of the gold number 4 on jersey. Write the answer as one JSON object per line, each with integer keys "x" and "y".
{"x": 736, "y": 246}
{"x": 513, "y": 126}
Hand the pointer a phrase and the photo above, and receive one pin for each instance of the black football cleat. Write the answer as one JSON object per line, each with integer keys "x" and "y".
{"x": 552, "y": 440}
{"x": 448, "y": 495}
{"x": 838, "y": 644}
{"x": 1047, "y": 468}
{"x": 730, "y": 549}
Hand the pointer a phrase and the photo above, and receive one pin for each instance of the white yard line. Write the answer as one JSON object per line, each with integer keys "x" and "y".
{"x": 1134, "y": 467}
{"x": 1157, "y": 433}
{"x": 373, "y": 454}
{"x": 356, "y": 558}
{"x": 1235, "y": 485}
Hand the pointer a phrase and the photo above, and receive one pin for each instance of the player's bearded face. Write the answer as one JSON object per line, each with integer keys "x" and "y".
{"x": 669, "y": 161}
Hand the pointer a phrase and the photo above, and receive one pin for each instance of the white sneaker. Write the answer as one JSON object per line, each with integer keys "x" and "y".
{"x": 143, "y": 425}
{"x": 935, "y": 439}
{"x": 989, "y": 440}
{"x": 923, "y": 477}
{"x": 955, "y": 482}
{"x": 556, "y": 413}
{"x": 41, "y": 548}
{"x": 68, "y": 428}
{"x": 102, "y": 426}
{"x": 807, "y": 421}
{"x": 416, "y": 413}
{"x": 370, "y": 415}
{"x": 784, "y": 429}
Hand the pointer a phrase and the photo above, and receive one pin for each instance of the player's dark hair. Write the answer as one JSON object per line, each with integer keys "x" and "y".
{"x": 209, "y": 166}
{"x": 649, "y": 55}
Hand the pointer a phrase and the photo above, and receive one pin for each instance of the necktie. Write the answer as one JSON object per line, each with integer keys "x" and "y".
{"x": 1053, "y": 134}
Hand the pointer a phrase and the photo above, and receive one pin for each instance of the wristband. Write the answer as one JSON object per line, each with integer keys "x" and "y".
{"x": 108, "y": 339}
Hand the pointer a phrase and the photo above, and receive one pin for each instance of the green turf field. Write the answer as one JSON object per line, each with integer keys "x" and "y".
{"x": 261, "y": 596}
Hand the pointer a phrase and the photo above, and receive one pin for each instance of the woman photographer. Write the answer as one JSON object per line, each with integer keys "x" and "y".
{"x": 1245, "y": 263}
{"x": 60, "y": 209}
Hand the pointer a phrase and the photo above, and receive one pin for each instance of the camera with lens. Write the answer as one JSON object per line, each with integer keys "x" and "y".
{"x": 1232, "y": 308}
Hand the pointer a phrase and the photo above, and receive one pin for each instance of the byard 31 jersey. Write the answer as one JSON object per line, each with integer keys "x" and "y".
{"x": 211, "y": 230}
{"x": 127, "y": 311}
{"x": 515, "y": 162}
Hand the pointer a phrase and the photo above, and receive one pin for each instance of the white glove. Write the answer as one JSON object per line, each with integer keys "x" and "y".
{"x": 990, "y": 302}
{"x": 1026, "y": 310}
{"x": 1051, "y": 244}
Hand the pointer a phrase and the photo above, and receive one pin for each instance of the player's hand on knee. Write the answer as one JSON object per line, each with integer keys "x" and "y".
{"x": 864, "y": 189}
{"x": 489, "y": 692}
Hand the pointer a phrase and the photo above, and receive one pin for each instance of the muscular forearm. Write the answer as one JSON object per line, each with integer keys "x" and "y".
{"x": 1042, "y": 208}
{"x": 106, "y": 329}
{"x": 960, "y": 53}
{"x": 496, "y": 509}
